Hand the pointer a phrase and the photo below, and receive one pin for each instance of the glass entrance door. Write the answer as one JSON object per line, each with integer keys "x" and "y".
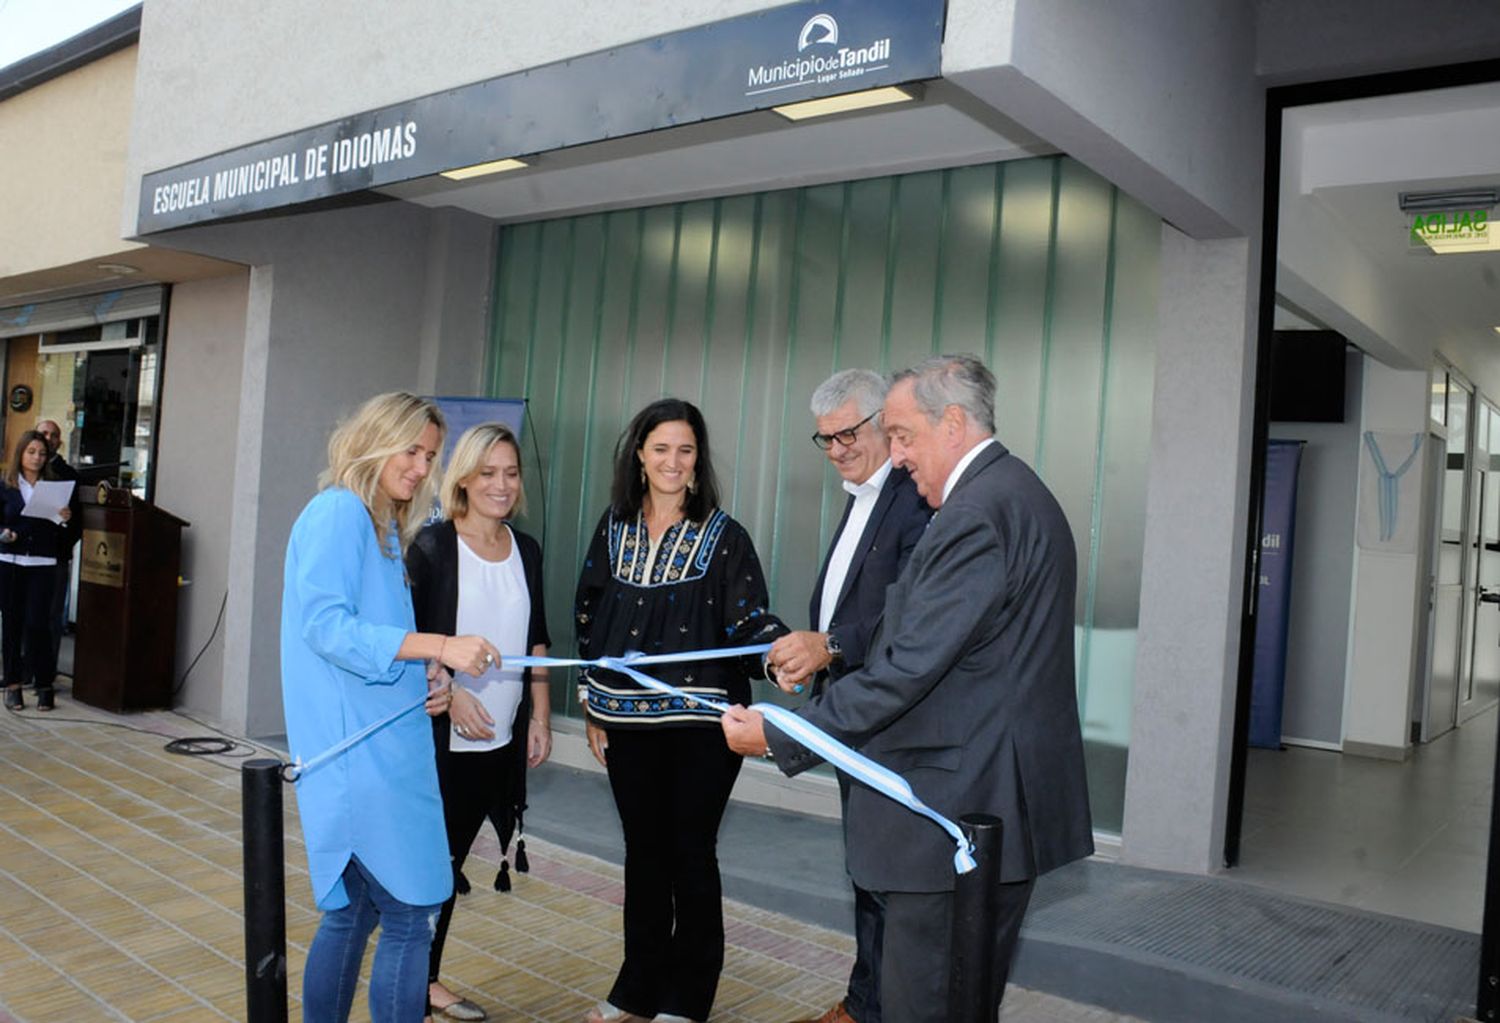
{"x": 1481, "y": 682}
{"x": 1449, "y": 617}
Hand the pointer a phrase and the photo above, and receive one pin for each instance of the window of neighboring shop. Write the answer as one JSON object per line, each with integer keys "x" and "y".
{"x": 92, "y": 364}
{"x": 744, "y": 304}
{"x": 106, "y": 401}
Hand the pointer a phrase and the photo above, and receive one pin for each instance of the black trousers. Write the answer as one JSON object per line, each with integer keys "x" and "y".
{"x": 26, "y": 624}
{"x": 862, "y": 1000}
{"x": 474, "y": 786}
{"x": 671, "y": 786}
{"x": 917, "y": 944}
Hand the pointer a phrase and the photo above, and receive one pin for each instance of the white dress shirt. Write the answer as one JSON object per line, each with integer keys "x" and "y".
{"x": 865, "y": 496}
{"x": 963, "y": 463}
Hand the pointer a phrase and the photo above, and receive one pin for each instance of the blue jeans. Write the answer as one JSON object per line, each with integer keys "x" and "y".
{"x": 398, "y": 979}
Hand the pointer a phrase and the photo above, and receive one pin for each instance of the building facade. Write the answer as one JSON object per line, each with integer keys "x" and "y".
{"x": 1073, "y": 191}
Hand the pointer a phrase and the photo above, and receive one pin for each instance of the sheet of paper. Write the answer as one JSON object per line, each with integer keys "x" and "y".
{"x": 48, "y": 497}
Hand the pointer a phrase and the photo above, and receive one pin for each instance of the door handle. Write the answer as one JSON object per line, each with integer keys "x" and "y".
{"x": 1489, "y": 596}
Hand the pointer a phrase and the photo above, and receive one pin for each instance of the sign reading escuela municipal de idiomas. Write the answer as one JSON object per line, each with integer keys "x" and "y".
{"x": 780, "y": 55}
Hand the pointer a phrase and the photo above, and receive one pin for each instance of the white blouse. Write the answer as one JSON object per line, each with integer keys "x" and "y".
{"x": 493, "y": 603}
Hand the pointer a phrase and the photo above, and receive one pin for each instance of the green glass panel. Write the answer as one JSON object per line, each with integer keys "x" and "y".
{"x": 1018, "y": 300}
{"x": 744, "y": 304}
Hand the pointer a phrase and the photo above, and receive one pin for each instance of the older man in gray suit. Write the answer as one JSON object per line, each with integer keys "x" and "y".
{"x": 967, "y": 689}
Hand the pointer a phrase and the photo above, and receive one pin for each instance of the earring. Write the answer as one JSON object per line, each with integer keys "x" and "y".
{"x": 643, "y": 474}
{"x": 692, "y": 486}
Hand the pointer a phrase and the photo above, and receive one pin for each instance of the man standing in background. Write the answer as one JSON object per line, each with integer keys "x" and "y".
{"x": 59, "y": 469}
{"x": 883, "y": 519}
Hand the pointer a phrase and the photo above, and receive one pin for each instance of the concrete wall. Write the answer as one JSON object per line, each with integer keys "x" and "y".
{"x": 1297, "y": 41}
{"x": 339, "y": 306}
{"x": 205, "y": 343}
{"x": 1158, "y": 96}
{"x": 64, "y": 154}
{"x": 1322, "y": 569}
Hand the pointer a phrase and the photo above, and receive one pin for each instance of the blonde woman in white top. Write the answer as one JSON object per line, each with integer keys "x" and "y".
{"x": 475, "y": 572}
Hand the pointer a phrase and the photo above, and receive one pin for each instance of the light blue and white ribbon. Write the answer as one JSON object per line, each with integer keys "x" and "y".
{"x": 299, "y": 767}
{"x": 858, "y": 766}
{"x": 1389, "y": 481}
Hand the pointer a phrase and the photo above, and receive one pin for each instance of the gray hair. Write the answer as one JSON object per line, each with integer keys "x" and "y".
{"x": 960, "y": 380}
{"x": 864, "y": 387}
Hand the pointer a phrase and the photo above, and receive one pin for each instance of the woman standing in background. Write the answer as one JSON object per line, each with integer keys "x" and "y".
{"x": 29, "y": 551}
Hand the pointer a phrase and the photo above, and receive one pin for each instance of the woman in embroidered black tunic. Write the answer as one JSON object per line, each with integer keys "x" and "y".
{"x": 668, "y": 570}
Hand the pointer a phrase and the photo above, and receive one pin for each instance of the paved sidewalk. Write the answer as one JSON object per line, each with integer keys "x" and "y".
{"x": 121, "y": 889}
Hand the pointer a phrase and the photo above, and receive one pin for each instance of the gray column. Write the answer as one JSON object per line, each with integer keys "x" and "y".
{"x": 239, "y": 633}
{"x": 1186, "y": 663}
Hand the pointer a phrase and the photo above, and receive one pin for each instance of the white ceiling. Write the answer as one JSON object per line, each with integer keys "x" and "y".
{"x": 751, "y": 152}
{"x": 1345, "y": 251}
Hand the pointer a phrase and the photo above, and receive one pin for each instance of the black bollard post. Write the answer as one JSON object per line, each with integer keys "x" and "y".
{"x": 973, "y": 997}
{"x": 265, "y": 891}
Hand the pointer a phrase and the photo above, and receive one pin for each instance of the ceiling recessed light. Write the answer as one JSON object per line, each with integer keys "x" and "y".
{"x": 120, "y": 269}
{"x": 846, "y": 102}
{"x": 1495, "y": 329}
{"x": 479, "y": 170}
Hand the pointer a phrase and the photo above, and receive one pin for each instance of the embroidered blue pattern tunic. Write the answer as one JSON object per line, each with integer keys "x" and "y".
{"x": 703, "y": 588}
{"x": 345, "y": 609}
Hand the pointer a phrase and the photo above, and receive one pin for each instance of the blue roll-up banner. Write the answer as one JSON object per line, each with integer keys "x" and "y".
{"x": 1273, "y": 606}
{"x": 462, "y": 413}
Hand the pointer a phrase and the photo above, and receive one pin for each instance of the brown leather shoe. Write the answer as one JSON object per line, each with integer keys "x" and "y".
{"x": 837, "y": 1014}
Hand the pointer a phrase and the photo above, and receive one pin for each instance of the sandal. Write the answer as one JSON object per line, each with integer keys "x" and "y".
{"x": 44, "y": 699}
{"x": 463, "y": 1009}
{"x": 606, "y": 1013}
{"x": 13, "y": 698}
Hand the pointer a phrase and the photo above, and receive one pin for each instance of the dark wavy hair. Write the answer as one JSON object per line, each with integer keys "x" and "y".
{"x": 629, "y": 490}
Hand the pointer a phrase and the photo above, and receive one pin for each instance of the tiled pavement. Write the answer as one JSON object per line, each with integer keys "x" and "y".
{"x": 121, "y": 892}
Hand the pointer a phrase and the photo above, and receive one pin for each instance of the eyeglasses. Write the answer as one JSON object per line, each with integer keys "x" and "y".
{"x": 824, "y": 441}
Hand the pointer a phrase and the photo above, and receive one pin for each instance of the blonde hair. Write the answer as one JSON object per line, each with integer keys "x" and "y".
{"x": 468, "y": 456}
{"x": 362, "y": 444}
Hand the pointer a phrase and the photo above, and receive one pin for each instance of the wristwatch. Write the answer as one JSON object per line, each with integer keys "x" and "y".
{"x": 831, "y": 644}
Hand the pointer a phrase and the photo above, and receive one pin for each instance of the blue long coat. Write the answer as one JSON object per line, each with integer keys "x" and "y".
{"x": 345, "y": 610}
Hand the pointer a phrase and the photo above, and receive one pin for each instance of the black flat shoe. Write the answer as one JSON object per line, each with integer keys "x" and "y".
{"x": 13, "y": 698}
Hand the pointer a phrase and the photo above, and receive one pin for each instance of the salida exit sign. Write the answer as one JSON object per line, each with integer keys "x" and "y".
{"x": 1451, "y": 229}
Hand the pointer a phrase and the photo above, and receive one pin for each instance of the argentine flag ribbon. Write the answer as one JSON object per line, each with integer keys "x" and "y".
{"x": 858, "y": 766}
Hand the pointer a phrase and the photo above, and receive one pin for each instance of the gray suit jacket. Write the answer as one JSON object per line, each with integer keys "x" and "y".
{"x": 968, "y": 690}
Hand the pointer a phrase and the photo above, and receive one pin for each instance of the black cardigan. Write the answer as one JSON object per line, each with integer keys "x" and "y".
{"x": 41, "y": 538}
{"x": 432, "y": 567}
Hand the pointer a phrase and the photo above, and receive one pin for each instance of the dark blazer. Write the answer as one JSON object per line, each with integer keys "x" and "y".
{"x": 59, "y": 469}
{"x": 432, "y": 567}
{"x": 968, "y": 690}
{"x": 894, "y": 527}
{"x": 36, "y": 537}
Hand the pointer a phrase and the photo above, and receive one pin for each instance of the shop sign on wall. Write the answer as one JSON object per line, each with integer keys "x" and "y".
{"x": 768, "y": 58}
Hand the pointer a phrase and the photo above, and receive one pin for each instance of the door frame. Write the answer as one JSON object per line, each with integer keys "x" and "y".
{"x": 1278, "y": 99}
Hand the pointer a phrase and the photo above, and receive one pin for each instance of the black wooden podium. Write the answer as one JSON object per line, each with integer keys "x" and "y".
{"x": 125, "y": 648}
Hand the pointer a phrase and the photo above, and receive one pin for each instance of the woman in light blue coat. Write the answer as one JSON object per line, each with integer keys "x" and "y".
{"x": 372, "y": 817}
